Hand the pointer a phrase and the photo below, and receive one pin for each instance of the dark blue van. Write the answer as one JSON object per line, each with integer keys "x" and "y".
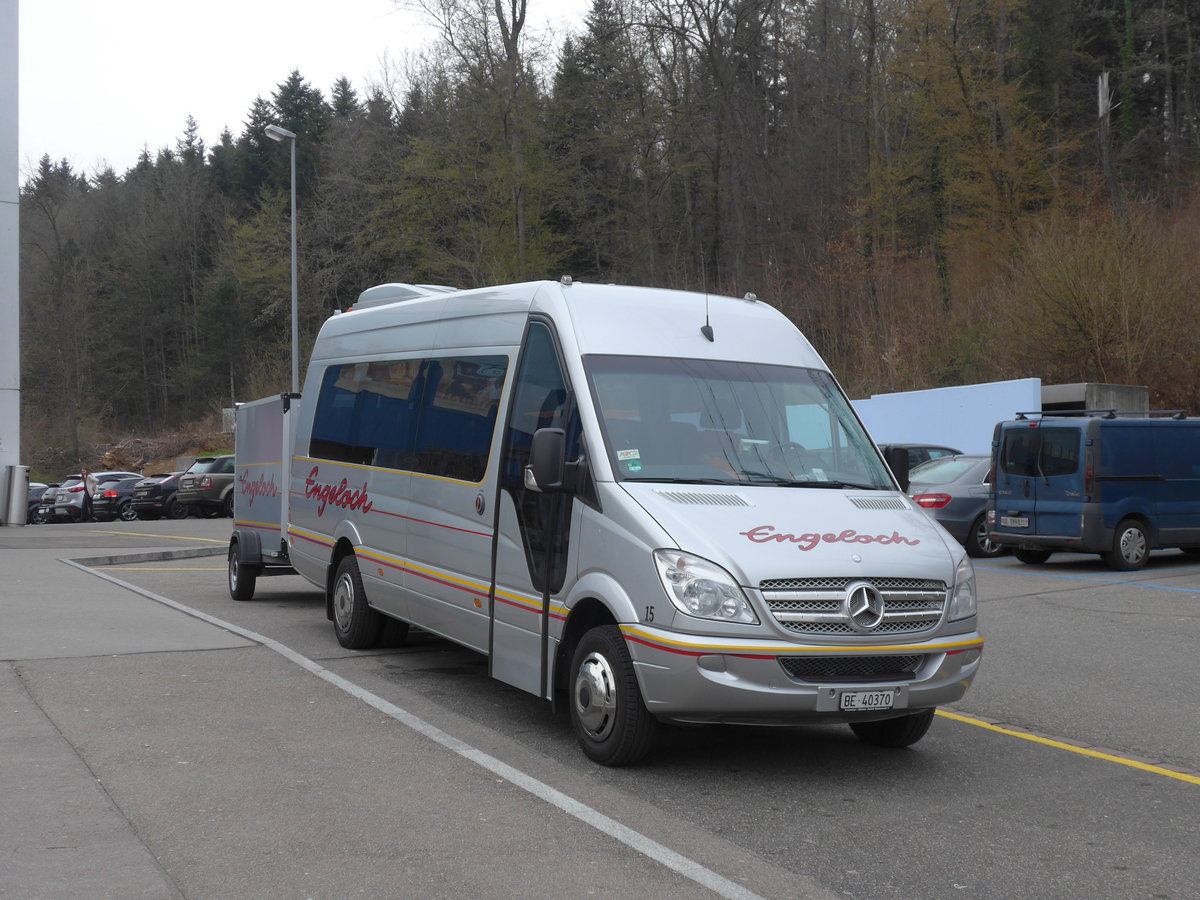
{"x": 1096, "y": 482}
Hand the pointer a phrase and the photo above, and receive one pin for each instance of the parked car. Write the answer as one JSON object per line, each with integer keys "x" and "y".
{"x": 156, "y": 496}
{"x": 43, "y": 511}
{"x": 920, "y": 453}
{"x": 206, "y": 488}
{"x": 113, "y": 499}
{"x": 68, "y": 499}
{"x": 33, "y": 497}
{"x": 954, "y": 490}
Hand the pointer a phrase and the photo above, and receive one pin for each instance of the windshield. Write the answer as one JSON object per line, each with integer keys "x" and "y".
{"x": 718, "y": 422}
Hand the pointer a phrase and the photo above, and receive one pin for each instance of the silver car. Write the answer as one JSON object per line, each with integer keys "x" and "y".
{"x": 68, "y": 501}
{"x": 954, "y": 490}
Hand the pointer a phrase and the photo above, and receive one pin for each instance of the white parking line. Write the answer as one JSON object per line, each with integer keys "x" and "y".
{"x": 686, "y": 867}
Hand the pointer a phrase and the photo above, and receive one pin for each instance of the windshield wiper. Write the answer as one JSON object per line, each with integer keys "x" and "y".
{"x": 799, "y": 483}
{"x": 677, "y": 480}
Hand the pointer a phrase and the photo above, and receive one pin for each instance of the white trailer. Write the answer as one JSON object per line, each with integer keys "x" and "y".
{"x": 264, "y": 433}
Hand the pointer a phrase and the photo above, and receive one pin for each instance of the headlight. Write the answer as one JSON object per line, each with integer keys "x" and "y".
{"x": 703, "y": 589}
{"x": 963, "y": 602}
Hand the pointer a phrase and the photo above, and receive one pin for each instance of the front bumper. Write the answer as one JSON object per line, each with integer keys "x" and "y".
{"x": 694, "y": 679}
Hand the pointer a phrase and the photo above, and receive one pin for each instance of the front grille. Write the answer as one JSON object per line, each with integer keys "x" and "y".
{"x": 813, "y": 606}
{"x": 878, "y": 668}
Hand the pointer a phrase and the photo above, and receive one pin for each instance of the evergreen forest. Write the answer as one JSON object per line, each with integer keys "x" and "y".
{"x": 937, "y": 192}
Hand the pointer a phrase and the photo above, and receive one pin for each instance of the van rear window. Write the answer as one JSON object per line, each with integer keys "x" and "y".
{"x": 1040, "y": 452}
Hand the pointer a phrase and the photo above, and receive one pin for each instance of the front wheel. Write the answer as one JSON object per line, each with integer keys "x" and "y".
{"x": 612, "y": 723}
{"x": 1031, "y": 557}
{"x": 1131, "y": 546}
{"x": 241, "y": 577}
{"x": 357, "y": 625}
{"x": 979, "y": 542}
{"x": 902, "y": 731}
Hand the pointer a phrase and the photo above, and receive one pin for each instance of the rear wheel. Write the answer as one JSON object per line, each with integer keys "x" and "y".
{"x": 903, "y": 731}
{"x": 979, "y": 543}
{"x": 227, "y": 506}
{"x": 357, "y": 625}
{"x": 1131, "y": 546}
{"x": 1031, "y": 557}
{"x": 127, "y": 512}
{"x": 176, "y": 510}
{"x": 241, "y": 577}
{"x": 612, "y": 723}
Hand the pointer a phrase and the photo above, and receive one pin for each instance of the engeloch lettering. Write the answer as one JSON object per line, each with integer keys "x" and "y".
{"x": 340, "y": 495}
{"x": 763, "y": 534}
{"x": 259, "y": 487}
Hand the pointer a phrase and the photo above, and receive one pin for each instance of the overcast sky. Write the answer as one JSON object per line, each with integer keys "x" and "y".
{"x": 101, "y": 79}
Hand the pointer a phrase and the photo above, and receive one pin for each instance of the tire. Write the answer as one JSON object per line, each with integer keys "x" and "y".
{"x": 612, "y": 723}
{"x": 241, "y": 577}
{"x": 356, "y": 625}
{"x": 1031, "y": 557}
{"x": 227, "y": 506}
{"x": 176, "y": 510}
{"x": 903, "y": 731}
{"x": 127, "y": 513}
{"x": 1131, "y": 546}
{"x": 979, "y": 545}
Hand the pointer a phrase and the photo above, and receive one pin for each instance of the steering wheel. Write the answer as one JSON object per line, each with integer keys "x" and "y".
{"x": 796, "y": 458}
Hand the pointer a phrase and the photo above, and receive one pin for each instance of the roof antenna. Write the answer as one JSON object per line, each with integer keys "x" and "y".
{"x": 706, "y": 328}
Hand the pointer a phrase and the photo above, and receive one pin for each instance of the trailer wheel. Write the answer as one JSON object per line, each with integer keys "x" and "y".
{"x": 241, "y": 576}
{"x": 357, "y": 625}
{"x": 1131, "y": 546}
{"x": 612, "y": 723}
{"x": 902, "y": 731}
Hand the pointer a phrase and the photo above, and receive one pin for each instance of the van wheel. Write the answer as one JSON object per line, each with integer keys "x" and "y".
{"x": 357, "y": 625}
{"x": 612, "y": 723}
{"x": 241, "y": 577}
{"x": 1131, "y": 546}
{"x": 1031, "y": 557}
{"x": 979, "y": 544}
{"x": 902, "y": 731}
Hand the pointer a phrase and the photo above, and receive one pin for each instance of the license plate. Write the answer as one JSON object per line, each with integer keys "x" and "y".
{"x": 866, "y": 700}
{"x": 1014, "y": 521}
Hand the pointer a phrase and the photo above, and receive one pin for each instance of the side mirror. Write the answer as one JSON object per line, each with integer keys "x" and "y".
{"x": 897, "y": 460}
{"x": 547, "y": 460}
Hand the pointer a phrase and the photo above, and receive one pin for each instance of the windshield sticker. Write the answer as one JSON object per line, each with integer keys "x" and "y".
{"x": 625, "y": 455}
{"x": 764, "y": 534}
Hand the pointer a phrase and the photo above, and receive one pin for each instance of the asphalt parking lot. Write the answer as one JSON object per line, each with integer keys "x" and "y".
{"x": 207, "y": 748}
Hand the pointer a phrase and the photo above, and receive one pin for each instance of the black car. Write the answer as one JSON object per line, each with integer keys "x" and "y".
{"x": 42, "y": 512}
{"x": 154, "y": 497}
{"x": 921, "y": 453}
{"x": 33, "y": 499}
{"x": 114, "y": 500}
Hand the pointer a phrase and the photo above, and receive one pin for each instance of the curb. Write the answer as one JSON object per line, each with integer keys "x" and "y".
{"x": 148, "y": 556}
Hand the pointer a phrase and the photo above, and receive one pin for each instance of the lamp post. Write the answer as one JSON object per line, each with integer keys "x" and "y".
{"x": 275, "y": 133}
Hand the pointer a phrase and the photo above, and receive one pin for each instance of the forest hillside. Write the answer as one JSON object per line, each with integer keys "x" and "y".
{"x": 937, "y": 192}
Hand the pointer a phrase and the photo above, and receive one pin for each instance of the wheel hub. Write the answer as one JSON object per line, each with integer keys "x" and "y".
{"x": 343, "y": 601}
{"x": 595, "y": 696}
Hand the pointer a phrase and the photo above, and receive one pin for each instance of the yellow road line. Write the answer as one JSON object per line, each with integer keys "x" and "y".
{"x": 168, "y": 537}
{"x": 148, "y": 568}
{"x": 1082, "y": 751}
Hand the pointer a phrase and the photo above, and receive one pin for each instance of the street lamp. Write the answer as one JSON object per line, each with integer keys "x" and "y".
{"x": 275, "y": 133}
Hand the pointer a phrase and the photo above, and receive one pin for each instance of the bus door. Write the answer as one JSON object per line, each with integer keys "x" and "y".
{"x": 532, "y": 528}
